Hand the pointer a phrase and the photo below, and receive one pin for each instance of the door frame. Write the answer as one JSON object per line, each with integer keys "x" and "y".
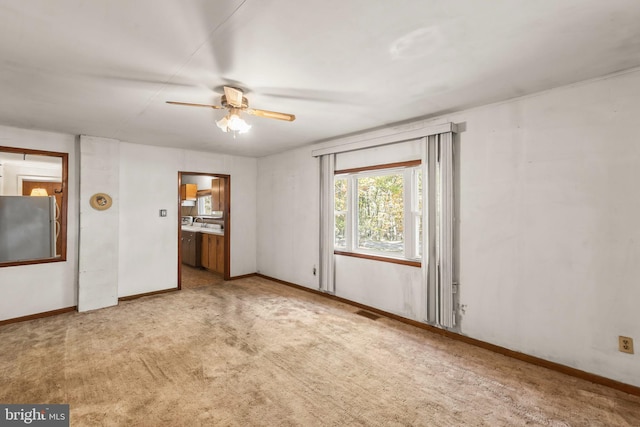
{"x": 226, "y": 220}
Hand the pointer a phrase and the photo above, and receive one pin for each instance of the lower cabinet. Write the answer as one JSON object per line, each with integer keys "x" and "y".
{"x": 213, "y": 252}
{"x": 191, "y": 248}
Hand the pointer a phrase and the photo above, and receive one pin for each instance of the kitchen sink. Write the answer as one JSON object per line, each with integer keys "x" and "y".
{"x": 200, "y": 229}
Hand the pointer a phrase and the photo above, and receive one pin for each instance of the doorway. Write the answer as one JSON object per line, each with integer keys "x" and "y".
{"x": 204, "y": 228}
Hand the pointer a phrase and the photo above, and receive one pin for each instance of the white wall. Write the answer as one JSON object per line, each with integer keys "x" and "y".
{"x": 146, "y": 245}
{"x": 288, "y": 217}
{"x": 39, "y": 288}
{"x": 394, "y": 288}
{"x": 149, "y": 243}
{"x": 98, "y": 258}
{"x": 547, "y": 225}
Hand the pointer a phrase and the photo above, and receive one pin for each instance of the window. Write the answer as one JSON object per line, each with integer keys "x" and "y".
{"x": 340, "y": 205}
{"x": 393, "y": 212}
{"x": 33, "y": 229}
{"x": 380, "y": 216}
{"x": 378, "y": 211}
{"x": 204, "y": 204}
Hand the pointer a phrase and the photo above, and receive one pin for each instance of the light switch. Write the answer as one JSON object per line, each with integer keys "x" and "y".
{"x": 163, "y": 212}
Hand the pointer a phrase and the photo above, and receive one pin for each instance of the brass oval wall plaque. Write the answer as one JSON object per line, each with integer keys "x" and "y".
{"x": 100, "y": 201}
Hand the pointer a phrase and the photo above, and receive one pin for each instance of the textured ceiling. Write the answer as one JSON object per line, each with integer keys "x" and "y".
{"x": 106, "y": 67}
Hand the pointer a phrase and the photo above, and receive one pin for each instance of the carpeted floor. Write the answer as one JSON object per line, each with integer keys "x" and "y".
{"x": 192, "y": 277}
{"x": 256, "y": 353}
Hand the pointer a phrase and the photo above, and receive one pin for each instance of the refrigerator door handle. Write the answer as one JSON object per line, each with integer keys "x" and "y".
{"x": 54, "y": 229}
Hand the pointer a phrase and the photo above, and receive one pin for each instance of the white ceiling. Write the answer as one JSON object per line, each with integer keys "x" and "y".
{"x": 106, "y": 67}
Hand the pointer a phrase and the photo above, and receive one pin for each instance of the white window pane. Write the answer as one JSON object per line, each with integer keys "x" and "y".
{"x": 340, "y": 192}
{"x": 204, "y": 205}
{"x": 418, "y": 230}
{"x": 340, "y": 240}
{"x": 340, "y": 206}
{"x": 419, "y": 189}
{"x": 381, "y": 213}
{"x": 418, "y": 226}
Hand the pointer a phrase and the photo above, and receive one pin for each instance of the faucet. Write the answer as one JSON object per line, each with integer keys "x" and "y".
{"x": 199, "y": 218}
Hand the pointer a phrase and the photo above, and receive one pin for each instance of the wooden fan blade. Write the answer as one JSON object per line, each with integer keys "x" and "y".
{"x": 188, "y": 104}
{"x": 234, "y": 96}
{"x": 271, "y": 114}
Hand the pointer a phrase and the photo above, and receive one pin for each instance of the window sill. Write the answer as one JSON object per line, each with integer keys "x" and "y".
{"x": 380, "y": 258}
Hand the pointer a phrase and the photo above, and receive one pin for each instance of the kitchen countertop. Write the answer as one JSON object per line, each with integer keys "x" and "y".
{"x": 200, "y": 229}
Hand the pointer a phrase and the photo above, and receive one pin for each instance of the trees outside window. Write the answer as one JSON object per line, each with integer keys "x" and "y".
{"x": 340, "y": 188}
{"x": 379, "y": 211}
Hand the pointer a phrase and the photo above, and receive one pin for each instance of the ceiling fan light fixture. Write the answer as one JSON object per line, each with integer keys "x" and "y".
{"x": 232, "y": 122}
{"x": 237, "y": 124}
{"x": 223, "y": 124}
{"x": 235, "y": 102}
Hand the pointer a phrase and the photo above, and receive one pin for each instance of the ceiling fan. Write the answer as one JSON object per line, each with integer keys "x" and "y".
{"x": 234, "y": 101}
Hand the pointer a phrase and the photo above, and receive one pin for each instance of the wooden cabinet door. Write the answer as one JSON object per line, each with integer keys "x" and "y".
{"x": 221, "y": 182}
{"x": 212, "y": 252}
{"x": 205, "y": 250}
{"x": 185, "y": 248}
{"x": 191, "y": 248}
{"x": 209, "y": 255}
{"x": 188, "y": 191}
{"x": 219, "y": 254}
{"x": 215, "y": 195}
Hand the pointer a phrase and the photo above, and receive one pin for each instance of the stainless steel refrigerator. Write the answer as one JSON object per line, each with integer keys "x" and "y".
{"x": 27, "y": 228}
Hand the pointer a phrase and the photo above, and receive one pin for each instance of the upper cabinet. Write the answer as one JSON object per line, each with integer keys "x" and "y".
{"x": 188, "y": 191}
{"x": 217, "y": 194}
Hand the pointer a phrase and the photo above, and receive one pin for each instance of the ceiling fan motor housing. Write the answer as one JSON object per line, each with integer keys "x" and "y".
{"x": 225, "y": 104}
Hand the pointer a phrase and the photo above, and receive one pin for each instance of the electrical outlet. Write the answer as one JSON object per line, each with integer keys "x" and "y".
{"x": 625, "y": 344}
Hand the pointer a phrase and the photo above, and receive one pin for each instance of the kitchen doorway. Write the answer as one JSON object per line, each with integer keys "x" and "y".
{"x": 204, "y": 229}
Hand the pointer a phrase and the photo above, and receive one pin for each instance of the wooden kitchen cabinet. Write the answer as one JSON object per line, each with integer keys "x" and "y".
{"x": 188, "y": 191}
{"x": 220, "y": 254}
{"x": 217, "y": 194}
{"x": 191, "y": 248}
{"x": 213, "y": 252}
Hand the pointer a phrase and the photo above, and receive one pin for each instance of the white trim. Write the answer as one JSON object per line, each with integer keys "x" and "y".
{"x": 39, "y": 178}
{"x": 352, "y": 243}
{"x": 375, "y": 139}
{"x": 29, "y": 178}
{"x": 351, "y": 222}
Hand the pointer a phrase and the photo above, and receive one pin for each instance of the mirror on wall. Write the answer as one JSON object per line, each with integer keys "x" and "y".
{"x": 33, "y": 206}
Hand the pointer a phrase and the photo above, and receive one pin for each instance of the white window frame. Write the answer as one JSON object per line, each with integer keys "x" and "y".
{"x": 410, "y": 212}
{"x": 201, "y": 202}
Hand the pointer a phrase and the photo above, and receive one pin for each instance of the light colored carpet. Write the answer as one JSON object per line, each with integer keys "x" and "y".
{"x": 255, "y": 353}
{"x": 192, "y": 277}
